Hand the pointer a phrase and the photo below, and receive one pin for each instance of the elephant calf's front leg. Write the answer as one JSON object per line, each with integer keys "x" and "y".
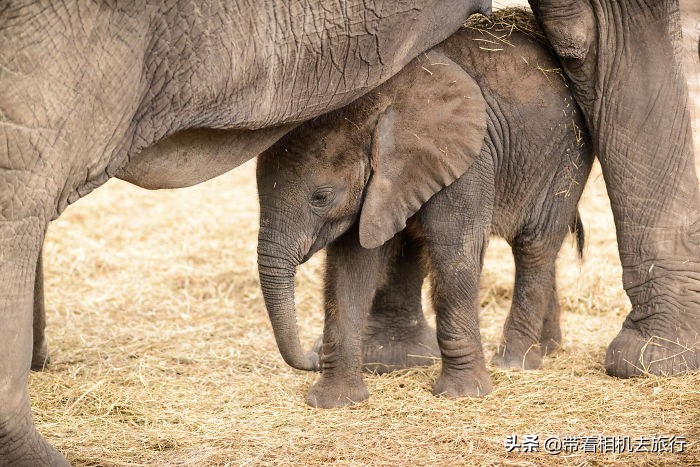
{"x": 455, "y": 298}
{"x": 350, "y": 284}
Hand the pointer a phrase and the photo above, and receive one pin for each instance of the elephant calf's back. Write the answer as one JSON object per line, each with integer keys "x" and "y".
{"x": 536, "y": 138}
{"x": 508, "y": 56}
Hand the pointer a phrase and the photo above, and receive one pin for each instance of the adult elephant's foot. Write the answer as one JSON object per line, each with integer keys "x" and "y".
{"x": 389, "y": 345}
{"x": 463, "y": 372}
{"x": 638, "y": 351}
{"x": 661, "y": 336}
{"x": 22, "y": 445}
{"x": 330, "y": 392}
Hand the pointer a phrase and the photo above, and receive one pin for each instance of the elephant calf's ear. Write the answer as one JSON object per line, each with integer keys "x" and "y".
{"x": 427, "y": 138}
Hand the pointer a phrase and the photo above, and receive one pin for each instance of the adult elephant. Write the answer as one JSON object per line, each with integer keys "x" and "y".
{"x": 164, "y": 94}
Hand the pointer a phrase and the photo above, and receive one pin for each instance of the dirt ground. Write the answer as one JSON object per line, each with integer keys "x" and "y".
{"x": 163, "y": 353}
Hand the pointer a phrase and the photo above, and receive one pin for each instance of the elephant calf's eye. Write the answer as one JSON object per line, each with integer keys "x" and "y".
{"x": 322, "y": 197}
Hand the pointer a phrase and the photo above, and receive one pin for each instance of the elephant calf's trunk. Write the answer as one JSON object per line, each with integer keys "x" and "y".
{"x": 277, "y": 283}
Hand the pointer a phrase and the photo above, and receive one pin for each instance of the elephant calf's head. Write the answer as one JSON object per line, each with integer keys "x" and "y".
{"x": 311, "y": 183}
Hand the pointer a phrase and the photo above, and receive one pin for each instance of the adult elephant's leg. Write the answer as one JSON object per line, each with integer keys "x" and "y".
{"x": 20, "y": 443}
{"x": 623, "y": 60}
{"x": 654, "y": 196}
{"x": 397, "y": 334}
{"x": 646, "y": 152}
{"x": 40, "y": 349}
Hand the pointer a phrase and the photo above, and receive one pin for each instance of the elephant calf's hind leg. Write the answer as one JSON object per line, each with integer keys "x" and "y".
{"x": 397, "y": 334}
{"x": 532, "y": 327}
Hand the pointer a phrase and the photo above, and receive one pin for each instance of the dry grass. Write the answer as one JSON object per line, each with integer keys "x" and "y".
{"x": 498, "y": 27}
{"x": 163, "y": 354}
{"x": 494, "y": 33}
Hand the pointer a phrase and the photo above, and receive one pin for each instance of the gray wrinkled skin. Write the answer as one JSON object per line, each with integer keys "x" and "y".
{"x": 164, "y": 94}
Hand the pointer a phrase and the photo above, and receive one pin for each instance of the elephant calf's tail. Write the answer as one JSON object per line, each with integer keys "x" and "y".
{"x": 576, "y": 228}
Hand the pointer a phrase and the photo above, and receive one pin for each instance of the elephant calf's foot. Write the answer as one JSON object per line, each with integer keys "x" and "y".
{"x": 463, "y": 370}
{"x": 549, "y": 346}
{"x": 518, "y": 357}
{"x": 329, "y": 392}
{"x": 633, "y": 354}
{"x": 474, "y": 382}
{"x": 550, "y": 341}
{"x": 40, "y": 357}
{"x": 394, "y": 347}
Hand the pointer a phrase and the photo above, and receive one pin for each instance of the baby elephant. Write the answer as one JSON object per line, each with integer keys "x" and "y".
{"x": 500, "y": 134}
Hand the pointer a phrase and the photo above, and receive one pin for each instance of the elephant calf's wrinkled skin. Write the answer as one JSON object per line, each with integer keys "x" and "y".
{"x": 351, "y": 179}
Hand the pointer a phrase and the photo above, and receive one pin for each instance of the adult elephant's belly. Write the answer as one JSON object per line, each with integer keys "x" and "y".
{"x": 194, "y": 156}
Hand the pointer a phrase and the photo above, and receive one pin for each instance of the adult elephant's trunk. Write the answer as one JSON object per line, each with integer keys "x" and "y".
{"x": 277, "y": 268}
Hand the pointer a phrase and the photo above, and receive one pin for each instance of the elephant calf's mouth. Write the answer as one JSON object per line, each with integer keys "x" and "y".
{"x": 318, "y": 244}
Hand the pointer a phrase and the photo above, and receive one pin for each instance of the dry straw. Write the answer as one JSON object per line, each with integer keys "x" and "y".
{"x": 501, "y": 24}
{"x": 163, "y": 354}
{"x": 496, "y": 30}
